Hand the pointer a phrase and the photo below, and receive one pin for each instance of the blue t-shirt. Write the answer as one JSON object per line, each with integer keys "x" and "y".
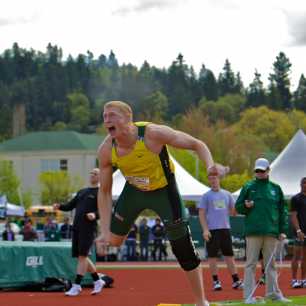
{"x": 217, "y": 205}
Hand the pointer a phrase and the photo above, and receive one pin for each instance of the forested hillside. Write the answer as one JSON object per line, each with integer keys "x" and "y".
{"x": 237, "y": 121}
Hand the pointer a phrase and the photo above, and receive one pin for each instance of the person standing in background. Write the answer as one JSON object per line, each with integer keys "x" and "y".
{"x": 266, "y": 220}
{"x": 84, "y": 232}
{"x": 298, "y": 219}
{"x": 215, "y": 208}
{"x": 144, "y": 236}
{"x": 66, "y": 229}
{"x": 158, "y": 231}
{"x": 8, "y": 234}
{"x": 131, "y": 243}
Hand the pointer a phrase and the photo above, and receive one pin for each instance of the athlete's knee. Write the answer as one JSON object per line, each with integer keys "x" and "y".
{"x": 182, "y": 245}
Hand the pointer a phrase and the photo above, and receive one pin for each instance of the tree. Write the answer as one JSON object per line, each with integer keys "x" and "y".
{"x": 112, "y": 61}
{"x": 233, "y": 182}
{"x": 255, "y": 94}
{"x": 79, "y": 111}
{"x": 280, "y": 83}
{"x": 227, "y": 82}
{"x": 178, "y": 87}
{"x": 154, "y": 107}
{"x": 9, "y": 182}
{"x": 299, "y": 96}
{"x": 261, "y": 122}
{"x": 297, "y": 119}
{"x": 208, "y": 84}
{"x": 226, "y": 108}
{"x": 57, "y": 186}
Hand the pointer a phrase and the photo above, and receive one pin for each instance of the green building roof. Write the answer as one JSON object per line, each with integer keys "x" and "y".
{"x": 51, "y": 141}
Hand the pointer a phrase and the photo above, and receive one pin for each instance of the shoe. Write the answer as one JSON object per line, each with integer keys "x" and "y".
{"x": 98, "y": 286}
{"x": 295, "y": 283}
{"x": 252, "y": 300}
{"x": 206, "y": 303}
{"x": 238, "y": 284}
{"x": 278, "y": 297}
{"x": 74, "y": 290}
{"x": 282, "y": 299}
{"x": 217, "y": 285}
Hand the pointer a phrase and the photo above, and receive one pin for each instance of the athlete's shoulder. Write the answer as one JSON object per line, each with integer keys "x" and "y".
{"x": 106, "y": 144}
{"x": 105, "y": 149}
{"x": 158, "y": 131}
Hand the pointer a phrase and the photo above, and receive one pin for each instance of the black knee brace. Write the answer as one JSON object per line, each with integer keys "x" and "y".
{"x": 182, "y": 245}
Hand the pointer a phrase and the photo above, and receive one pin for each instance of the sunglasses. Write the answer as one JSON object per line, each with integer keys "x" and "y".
{"x": 260, "y": 171}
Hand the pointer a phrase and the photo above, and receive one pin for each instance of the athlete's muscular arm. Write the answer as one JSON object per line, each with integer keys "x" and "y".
{"x": 159, "y": 135}
{"x": 105, "y": 194}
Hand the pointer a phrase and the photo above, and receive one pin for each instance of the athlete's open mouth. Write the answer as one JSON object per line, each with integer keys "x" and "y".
{"x": 111, "y": 129}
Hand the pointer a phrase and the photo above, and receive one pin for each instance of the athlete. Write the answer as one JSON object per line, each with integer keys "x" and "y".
{"x": 139, "y": 151}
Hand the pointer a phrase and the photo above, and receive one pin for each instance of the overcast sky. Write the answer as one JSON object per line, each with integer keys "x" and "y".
{"x": 250, "y": 33}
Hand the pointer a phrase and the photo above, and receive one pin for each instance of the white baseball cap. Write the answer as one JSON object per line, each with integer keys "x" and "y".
{"x": 261, "y": 164}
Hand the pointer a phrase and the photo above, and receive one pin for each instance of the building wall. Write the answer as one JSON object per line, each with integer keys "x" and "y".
{"x": 28, "y": 166}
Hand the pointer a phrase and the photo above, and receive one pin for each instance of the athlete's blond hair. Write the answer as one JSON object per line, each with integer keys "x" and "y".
{"x": 122, "y": 106}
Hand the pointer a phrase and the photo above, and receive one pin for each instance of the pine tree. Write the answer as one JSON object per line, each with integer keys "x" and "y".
{"x": 299, "y": 96}
{"x": 256, "y": 95}
{"x": 280, "y": 83}
{"x": 208, "y": 84}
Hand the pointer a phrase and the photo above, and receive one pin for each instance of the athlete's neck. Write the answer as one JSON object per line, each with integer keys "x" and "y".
{"x": 128, "y": 138}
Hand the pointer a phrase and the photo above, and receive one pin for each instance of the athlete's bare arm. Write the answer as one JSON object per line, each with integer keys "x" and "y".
{"x": 105, "y": 191}
{"x": 158, "y": 135}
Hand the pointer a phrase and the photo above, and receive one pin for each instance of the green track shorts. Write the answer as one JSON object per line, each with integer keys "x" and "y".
{"x": 133, "y": 201}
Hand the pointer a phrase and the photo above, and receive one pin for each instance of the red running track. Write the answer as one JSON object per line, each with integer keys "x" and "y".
{"x": 143, "y": 287}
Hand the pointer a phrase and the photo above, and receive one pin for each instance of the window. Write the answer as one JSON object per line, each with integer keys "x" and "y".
{"x": 63, "y": 164}
{"x": 53, "y": 164}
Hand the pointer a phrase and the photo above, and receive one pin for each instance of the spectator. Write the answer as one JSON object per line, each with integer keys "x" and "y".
{"x": 84, "y": 232}
{"x": 144, "y": 236}
{"x": 215, "y": 208}
{"x": 50, "y": 230}
{"x": 8, "y": 234}
{"x": 28, "y": 232}
{"x": 66, "y": 229}
{"x": 266, "y": 221}
{"x": 158, "y": 231}
{"x": 131, "y": 242}
{"x": 298, "y": 218}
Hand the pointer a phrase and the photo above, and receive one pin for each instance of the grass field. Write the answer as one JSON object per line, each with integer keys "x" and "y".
{"x": 300, "y": 300}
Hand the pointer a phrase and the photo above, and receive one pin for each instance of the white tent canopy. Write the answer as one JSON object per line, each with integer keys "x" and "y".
{"x": 14, "y": 210}
{"x": 11, "y": 209}
{"x": 189, "y": 188}
{"x": 289, "y": 166}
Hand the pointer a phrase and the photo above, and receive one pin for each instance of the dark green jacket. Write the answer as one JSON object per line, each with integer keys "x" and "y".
{"x": 269, "y": 215}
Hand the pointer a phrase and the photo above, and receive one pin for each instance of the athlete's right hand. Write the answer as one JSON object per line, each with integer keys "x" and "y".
{"x": 102, "y": 243}
{"x": 207, "y": 235}
{"x": 218, "y": 170}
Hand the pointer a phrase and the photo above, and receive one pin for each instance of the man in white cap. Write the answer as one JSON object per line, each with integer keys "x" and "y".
{"x": 266, "y": 222}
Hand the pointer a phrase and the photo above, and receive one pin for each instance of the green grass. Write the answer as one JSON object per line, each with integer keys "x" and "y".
{"x": 295, "y": 301}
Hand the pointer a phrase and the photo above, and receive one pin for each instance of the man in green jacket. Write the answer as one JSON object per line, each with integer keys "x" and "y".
{"x": 266, "y": 222}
